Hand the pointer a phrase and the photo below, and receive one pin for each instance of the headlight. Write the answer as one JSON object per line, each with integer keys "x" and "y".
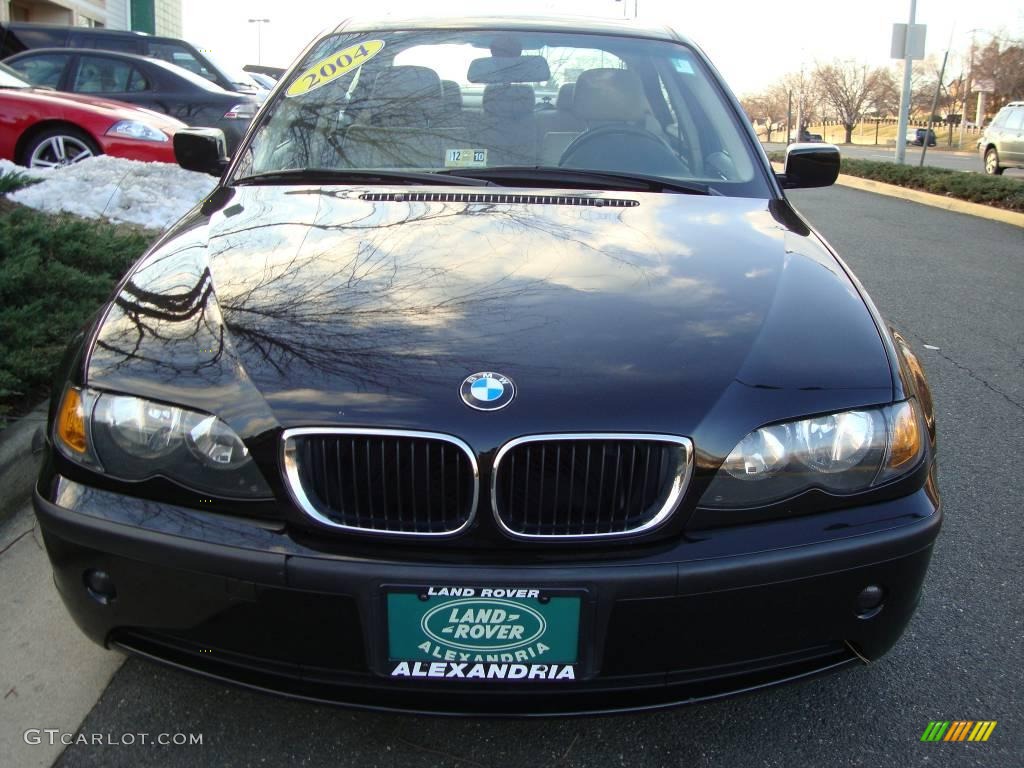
{"x": 244, "y": 111}
{"x": 133, "y": 129}
{"x": 841, "y": 453}
{"x": 130, "y": 438}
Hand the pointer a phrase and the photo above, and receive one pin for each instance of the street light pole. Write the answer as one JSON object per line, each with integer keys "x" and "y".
{"x": 908, "y": 64}
{"x": 259, "y": 37}
{"x": 625, "y": 8}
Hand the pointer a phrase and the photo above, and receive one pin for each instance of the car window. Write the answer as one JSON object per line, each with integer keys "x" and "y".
{"x": 44, "y": 69}
{"x": 100, "y": 74}
{"x": 1015, "y": 119}
{"x": 10, "y": 79}
{"x": 433, "y": 100}
{"x": 37, "y": 37}
{"x": 106, "y": 43}
{"x": 182, "y": 57}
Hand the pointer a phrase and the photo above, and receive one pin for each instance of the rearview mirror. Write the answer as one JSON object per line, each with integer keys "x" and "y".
{"x": 810, "y": 165}
{"x": 201, "y": 149}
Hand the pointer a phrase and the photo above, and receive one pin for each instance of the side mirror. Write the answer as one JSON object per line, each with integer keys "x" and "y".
{"x": 201, "y": 149}
{"x": 810, "y": 165}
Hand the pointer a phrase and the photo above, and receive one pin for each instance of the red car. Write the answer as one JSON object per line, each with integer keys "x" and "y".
{"x": 41, "y": 128}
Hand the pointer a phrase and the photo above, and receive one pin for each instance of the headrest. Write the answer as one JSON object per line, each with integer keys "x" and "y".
{"x": 609, "y": 94}
{"x": 564, "y": 100}
{"x": 509, "y": 69}
{"x": 452, "y": 95}
{"x": 509, "y": 100}
{"x": 407, "y": 83}
{"x": 405, "y": 96}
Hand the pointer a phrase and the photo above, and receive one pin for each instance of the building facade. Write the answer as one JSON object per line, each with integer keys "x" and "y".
{"x": 157, "y": 17}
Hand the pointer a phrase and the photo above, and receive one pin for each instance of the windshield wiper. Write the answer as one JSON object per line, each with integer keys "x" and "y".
{"x": 357, "y": 176}
{"x": 546, "y": 176}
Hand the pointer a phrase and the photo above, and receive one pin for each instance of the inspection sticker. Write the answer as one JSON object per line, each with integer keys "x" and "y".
{"x": 334, "y": 66}
{"x": 465, "y": 158}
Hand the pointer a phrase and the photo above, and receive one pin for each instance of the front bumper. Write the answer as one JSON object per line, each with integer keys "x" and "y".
{"x": 713, "y": 615}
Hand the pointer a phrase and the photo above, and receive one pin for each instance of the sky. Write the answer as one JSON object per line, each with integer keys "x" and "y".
{"x": 752, "y": 42}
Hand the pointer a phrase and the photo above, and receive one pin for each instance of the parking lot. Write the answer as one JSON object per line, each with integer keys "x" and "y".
{"x": 953, "y": 285}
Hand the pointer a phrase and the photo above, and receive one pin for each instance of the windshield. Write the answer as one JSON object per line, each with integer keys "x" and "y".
{"x": 10, "y": 79}
{"x": 435, "y": 101}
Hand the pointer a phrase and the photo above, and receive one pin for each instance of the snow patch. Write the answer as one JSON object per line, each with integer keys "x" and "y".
{"x": 153, "y": 195}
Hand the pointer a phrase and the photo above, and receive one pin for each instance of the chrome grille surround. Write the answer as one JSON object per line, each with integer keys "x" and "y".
{"x": 299, "y": 494}
{"x": 677, "y": 489}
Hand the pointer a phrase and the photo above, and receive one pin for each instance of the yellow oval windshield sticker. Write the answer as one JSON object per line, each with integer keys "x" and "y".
{"x": 334, "y": 66}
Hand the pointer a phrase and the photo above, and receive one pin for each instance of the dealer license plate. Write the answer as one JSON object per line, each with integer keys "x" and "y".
{"x": 482, "y": 633}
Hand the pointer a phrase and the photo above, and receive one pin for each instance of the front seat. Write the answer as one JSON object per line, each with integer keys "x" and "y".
{"x": 612, "y": 104}
{"x": 403, "y": 125}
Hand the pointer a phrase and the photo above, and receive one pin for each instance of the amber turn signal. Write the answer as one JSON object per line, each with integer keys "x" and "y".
{"x": 71, "y": 422}
{"x": 906, "y": 436}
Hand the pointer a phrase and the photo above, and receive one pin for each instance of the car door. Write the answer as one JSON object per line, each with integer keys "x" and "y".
{"x": 112, "y": 78}
{"x": 1013, "y": 137}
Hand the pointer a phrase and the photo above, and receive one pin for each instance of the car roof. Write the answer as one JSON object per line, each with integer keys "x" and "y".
{"x": 84, "y": 52}
{"x": 620, "y": 27}
{"x": 16, "y": 25}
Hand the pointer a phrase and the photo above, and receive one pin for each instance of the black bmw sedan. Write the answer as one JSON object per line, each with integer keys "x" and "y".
{"x": 495, "y": 410}
{"x": 144, "y": 82}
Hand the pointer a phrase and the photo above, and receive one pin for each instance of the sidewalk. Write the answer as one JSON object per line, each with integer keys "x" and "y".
{"x": 50, "y": 674}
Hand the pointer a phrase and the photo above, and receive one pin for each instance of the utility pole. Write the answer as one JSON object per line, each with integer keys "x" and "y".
{"x": 800, "y": 102}
{"x": 259, "y": 37}
{"x": 908, "y": 64}
{"x": 967, "y": 92}
{"x": 935, "y": 104}
{"x": 789, "y": 117}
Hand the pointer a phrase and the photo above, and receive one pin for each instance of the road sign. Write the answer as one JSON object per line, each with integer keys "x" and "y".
{"x": 984, "y": 86}
{"x": 899, "y": 41}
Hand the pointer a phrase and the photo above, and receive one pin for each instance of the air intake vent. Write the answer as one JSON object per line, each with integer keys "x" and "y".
{"x": 588, "y": 485}
{"x": 490, "y": 198}
{"x": 382, "y": 481}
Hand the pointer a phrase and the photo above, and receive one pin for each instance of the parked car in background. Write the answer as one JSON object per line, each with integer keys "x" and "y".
{"x": 494, "y": 411}
{"x": 274, "y": 73}
{"x": 145, "y": 82}
{"x": 916, "y": 137}
{"x": 812, "y": 138}
{"x": 16, "y": 37}
{"x": 1002, "y": 144}
{"x": 265, "y": 80}
{"x": 41, "y": 128}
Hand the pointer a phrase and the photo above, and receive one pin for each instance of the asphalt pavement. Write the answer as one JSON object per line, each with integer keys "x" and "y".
{"x": 935, "y": 157}
{"x": 954, "y": 285}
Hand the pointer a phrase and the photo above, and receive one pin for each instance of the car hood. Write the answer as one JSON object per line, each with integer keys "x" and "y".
{"x": 293, "y": 306}
{"x": 68, "y": 104}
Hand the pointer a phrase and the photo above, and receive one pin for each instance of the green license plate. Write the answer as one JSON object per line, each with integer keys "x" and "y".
{"x": 481, "y": 633}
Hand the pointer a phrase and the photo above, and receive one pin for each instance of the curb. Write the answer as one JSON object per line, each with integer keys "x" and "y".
{"x": 20, "y": 460}
{"x": 1013, "y": 218}
{"x": 936, "y": 201}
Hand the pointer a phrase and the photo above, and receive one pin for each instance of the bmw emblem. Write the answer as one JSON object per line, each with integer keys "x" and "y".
{"x": 487, "y": 391}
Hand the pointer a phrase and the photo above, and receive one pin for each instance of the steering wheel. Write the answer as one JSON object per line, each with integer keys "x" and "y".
{"x": 623, "y": 148}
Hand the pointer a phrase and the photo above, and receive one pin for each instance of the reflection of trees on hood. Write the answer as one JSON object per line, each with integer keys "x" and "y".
{"x": 368, "y": 315}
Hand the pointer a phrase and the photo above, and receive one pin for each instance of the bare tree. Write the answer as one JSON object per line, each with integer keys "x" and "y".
{"x": 850, "y": 89}
{"x": 1002, "y": 63}
{"x": 768, "y": 108}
